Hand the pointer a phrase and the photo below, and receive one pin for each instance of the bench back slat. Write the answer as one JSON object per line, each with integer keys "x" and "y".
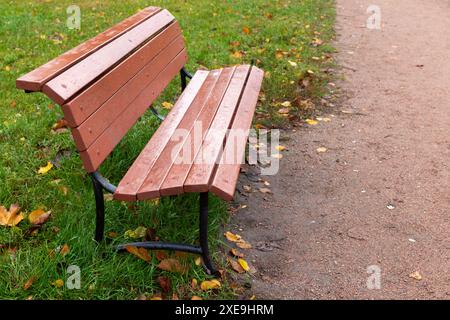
{"x": 34, "y": 80}
{"x": 93, "y": 156}
{"x": 87, "y": 102}
{"x": 77, "y": 77}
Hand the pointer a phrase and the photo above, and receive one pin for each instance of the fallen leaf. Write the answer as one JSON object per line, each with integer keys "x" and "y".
{"x": 156, "y": 297}
{"x": 246, "y": 30}
{"x": 236, "y": 266}
{"x": 284, "y": 110}
{"x": 65, "y": 249}
{"x": 29, "y": 283}
{"x": 10, "y": 217}
{"x": 112, "y": 234}
{"x": 237, "y": 54}
{"x": 108, "y": 196}
{"x": 416, "y": 275}
{"x": 232, "y": 237}
{"x": 39, "y": 216}
{"x": 280, "y": 148}
{"x": 167, "y": 105}
{"x": 265, "y": 190}
{"x": 175, "y": 297}
{"x": 58, "y": 283}
{"x": 243, "y": 244}
{"x": 286, "y": 104}
{"x": 62, "y": 123}
{"x": 164, "y": 283}
{"x": 247, "y": 188}
{"x": 210, "y": 284}
{"x": 311, "y": 122}
{"x": 172, "y": 265}
{"x": 235, "y": 43}
{"x": 236, "y": 253}
{"x": 47, "y": 168}
{"x": 137, "y": 233}
{"x": 141, "y": 253}
{"x": 160, "y": 255}
{"x": 321, "y": 149}
{"x": 243, "y": 264}
{"x": 292, "y": 63}
{"x": 196, "y": 298}
{"x": 198, "y": 261}
{"x": 194, "y": 283}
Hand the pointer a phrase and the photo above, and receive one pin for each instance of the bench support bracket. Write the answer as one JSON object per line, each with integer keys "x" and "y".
{"x": 100, "y": 184}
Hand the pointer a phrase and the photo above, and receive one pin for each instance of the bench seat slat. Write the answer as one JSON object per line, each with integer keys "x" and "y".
{"x": 155, "y": 177}
{"x": 71, "y": 81}
{"x": 226, "y": 176}
{"x": 34, "y": 80}
{"x": 85, "y": 134}
{"x": 102, "y": 147}
{"x": 201, "y": 172}
{"x": 133, "y": 179}
{"x": 83, "y": 105}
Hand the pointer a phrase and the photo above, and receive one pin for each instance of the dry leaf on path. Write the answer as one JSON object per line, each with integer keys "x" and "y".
{"x": 243, "y": 244}
{"x": 265, "y": 190}
{"x": 321, "y": 149}
{"x": 416, "y": 275}
{"x": 236, "y": 266}
{"x": 232, "y": 237}
{"x": 243, "y": 264}
{"x": 210, "y": 284}
{"x": 311, "y": 122}
{"x": 236, "y": 253}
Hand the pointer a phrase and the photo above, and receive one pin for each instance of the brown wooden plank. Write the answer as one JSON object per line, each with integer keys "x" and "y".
{"x": 153, "y": 181}
{"x": 133, "y": 179}
{"x": 34, "y": 80}
{"x": 85, "y": 134}
{"x": 227, "y": 173}
{"x": 67, "y": 84}
{"x": 102, "y": 147}
{"x": 201, "y": 172}
{"x": 82, "y": 106}
{"x": 174, "y": 180}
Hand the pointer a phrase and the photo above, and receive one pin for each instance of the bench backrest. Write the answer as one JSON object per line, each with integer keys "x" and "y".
{"x": 105, "y": 84}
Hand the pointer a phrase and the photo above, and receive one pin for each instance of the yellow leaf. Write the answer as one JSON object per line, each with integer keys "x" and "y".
{"x": 64, "y": 250}
{"x": 243, "y": 264}
{"x": 210, "y": 284}
{"x": 286, "y": 104}
{"x": 156, "y": 297}
{"x": 246, "y": 30}
{"x": 10, "y": 217}
{"x": 236, "y": 266}
{"x": 196, "y": 298}
{"x": 292, "y": 63}
{"x": 7, "y": 68}
{"x": 280, "y": 148}
{"x": 167, "y": 105}
{"x": 311, "y": 122}
{"x": 39, "y": 216}
{"x": 243, "y": 244}
{"x": 198, "y": 261}
{"x": 277, "y": 156}
{"x": 236, "y": 253}
{"x": 141, "y": 253}
{"x": 47, "y": 168}
{"x": 194, "y": 283}
{"x": 283, "y": 111}
{"x": 232, "y": 237}
{"x": 321, "y": 149}
{"x": 237, "y": 54}
{"x": 416, "y": 275}
{"x": 137, "y": 233}
{"x": 58, "y": 283}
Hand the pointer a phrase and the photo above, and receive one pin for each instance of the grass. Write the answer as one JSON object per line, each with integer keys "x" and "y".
{"x": 277, "y": 35}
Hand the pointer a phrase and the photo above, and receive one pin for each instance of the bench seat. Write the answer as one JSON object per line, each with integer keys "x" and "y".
{"x": 192, "y": 150}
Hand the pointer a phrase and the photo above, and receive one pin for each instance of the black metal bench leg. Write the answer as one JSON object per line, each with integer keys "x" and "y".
{"x": 100, "y": 210}
{"x": 207, "y": 261}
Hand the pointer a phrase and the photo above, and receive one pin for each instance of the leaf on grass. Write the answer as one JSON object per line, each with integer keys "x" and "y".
{"x": 10, "y": 217}
{"x": 210, "y": 284}
{"x": 246, "y": 30}
{"x": 236, "y": 266}
{"x": 194, "y": 283}
{"x": 283, "y": 111}
{"x": 172, "y": 265}
{"x": 47, "y": 168}
{"x": 286, "y": 104}
{"x": 237, "y": 54}
{"x": 243, "y": 264}
{"x": 58, "y": 283}
{"x": 311, "y": 122}
{"x": 292, "y": 63}
{"x": 235, "y": 44}
{"x": 156, "y": 297}
{"x": 29, "y": 283}
{"x": 61, "y": 123}
{"x": 164, "y": 283}
{"x": 160, "y": 255}
{"x": 39, "y": 216}
{"x": 65, "y": 249}
{"x": 112, "y": 234}
{"x": 196, "y": 298}
{"x": 141, "y": 253}
{"x": 167, "y": 105}
{"x": 198, "y": 261}
{"x": 232, "y": 237}
{"x": 416, "y": 275}
{"x": 137, "y": 233}
{"x": 236, "y": 253}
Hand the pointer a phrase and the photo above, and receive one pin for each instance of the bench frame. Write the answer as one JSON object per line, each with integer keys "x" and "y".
{"x": 101, "y": 184}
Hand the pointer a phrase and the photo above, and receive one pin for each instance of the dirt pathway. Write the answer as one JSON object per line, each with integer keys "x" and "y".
{"x": 380, "y": 195}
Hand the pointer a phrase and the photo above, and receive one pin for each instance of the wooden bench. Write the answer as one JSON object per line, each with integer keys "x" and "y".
{"x": 104, "y": 86}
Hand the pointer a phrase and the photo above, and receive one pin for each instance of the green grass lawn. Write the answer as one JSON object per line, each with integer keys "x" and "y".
{"x": 283, "y": 37}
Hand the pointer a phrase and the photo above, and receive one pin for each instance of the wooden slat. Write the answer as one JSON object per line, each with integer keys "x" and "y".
{"x": 201, "y": 172}
{"x": 71, "y": 81}
{"x": 102, "y": 147}
{"x": 34, "y": 80}
{"x": 133, "y": 179}
{"x": 227, "y": 173}
{"x": 174, "y": 180}
{"x": 82, "y": 106}
{"x": 153, "y": 181}
{"x": 89, "y": 130}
